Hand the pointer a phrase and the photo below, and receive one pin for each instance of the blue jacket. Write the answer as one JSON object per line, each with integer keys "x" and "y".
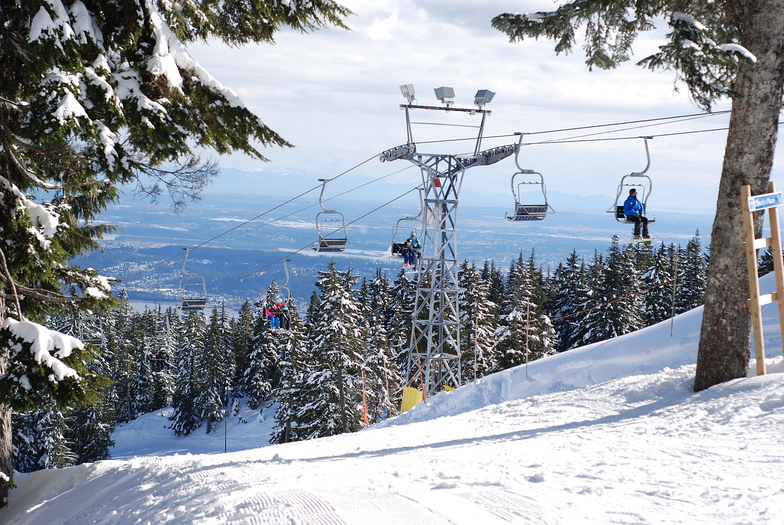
{"x": 633, "y": 206}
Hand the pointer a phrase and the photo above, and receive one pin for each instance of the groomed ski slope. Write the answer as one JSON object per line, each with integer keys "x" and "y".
{"x": 611, "y": 433}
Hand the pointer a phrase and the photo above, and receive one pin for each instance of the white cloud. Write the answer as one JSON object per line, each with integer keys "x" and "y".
{"x": 334, "y": 94}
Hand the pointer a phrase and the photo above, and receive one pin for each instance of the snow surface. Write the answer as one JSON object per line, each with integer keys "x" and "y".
{"x": 608, "y": 433}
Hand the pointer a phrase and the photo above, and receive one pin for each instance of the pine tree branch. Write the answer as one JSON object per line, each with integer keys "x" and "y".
{"x": 24, "y": 170}
{"x": 11, "y": 283}
{"x": 23, "y": 292}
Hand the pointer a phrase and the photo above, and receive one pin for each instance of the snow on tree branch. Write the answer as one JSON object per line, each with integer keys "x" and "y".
{"x": 45, "y": 220}
{"x": 47, "y": 346}
{"x": 170, "y": 53}
{"x": 683, "y": 17}
{"x": 736, "y": 48}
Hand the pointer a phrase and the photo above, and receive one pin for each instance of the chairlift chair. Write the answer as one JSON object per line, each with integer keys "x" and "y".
{"x": 193, "y": 289}
{"x": 91, "y": 330}
{"x": 396, "y": 247}
{"x": 271, "y": 300}
{"x": 284, "y": 292}
{"x": 330, "y": 226}
{"x": 283, "y": 287}
{"x": 638, "y": 180}
{"x": 527, "y": 178}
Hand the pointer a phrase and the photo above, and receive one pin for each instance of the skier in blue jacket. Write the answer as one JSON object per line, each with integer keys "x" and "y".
{"x": 635, "y": 211}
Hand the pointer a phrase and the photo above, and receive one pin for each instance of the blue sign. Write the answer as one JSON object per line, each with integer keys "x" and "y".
{"x": 768, "y": 200}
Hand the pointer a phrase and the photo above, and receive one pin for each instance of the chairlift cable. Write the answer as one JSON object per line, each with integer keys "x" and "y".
{"x": 617, "y": 131}
{"x": 607, "y": 139}
{"x": 170, "y": 259}
{"x": 675, "y": 118}
{"x": 325, "y": 200}
{"x": 697, "y": 115}
{"x": 309, "y": 244}
{"x": 221, "y": 234}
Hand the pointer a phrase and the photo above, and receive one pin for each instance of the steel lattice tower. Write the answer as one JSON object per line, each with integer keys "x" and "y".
{"x": 434, "y": 354}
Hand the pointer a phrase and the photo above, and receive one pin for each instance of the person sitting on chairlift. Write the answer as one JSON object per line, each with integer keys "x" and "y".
{"x": 282, "y": 313}
{"x": 635, "y": 212}
{"x": 408, "y": 254}
{"x": 274, "y": 322}
{"x": 415, "y": 247}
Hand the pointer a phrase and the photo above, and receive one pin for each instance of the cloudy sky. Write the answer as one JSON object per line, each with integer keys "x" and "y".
{"x": 335, "y": 95}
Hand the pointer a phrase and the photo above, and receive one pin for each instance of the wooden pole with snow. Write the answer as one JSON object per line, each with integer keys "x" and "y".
{"x": 770, "y": 201}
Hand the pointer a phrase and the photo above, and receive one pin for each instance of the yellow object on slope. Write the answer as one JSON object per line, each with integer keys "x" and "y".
{"x": 411, "y": 397}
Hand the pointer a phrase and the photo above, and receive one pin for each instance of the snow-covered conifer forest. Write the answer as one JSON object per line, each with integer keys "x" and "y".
{"x": 341, "y": 363}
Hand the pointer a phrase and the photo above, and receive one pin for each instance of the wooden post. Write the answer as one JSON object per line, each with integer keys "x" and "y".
{"x": 778, "y": 262}
{"x": 750, "y": 246}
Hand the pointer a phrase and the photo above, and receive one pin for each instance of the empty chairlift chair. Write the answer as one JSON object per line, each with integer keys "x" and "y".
{"x": 90, "y": 329}
{"x": 193, "y": 289}
{"x": 330, "y": 226}
{"x": 523, "y": 180}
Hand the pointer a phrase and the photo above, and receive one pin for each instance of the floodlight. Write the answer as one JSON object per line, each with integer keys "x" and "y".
{"x": 483, "y": 96}
{"x": 408, "y": 92}
{"x": 446, "y": 95}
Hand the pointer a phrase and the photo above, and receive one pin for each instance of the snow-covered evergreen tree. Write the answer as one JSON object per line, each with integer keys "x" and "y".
{"x": 571, "y": 296}
{"x": 382, "y": 378}
{"x": 478, "y": 321}
{"x": 215, "y": 369}
{"x": 495, "y": 281}
{"x": 164, "y": 348}
{"x": 91, "y": 431}
{"x": 262, "y": 372}
{"x": 88, "y": 427}
{"x": 658, "y": 280}
{"x": 765, "y": 262}
{"x": 126, "y": 349}
{"x": 619, "y": 307}
{"x": 525, "y": 333}
{"x": 545, "y": 341}
{"x": 187, "y": 414}
{"x": 402, "y": 295}
{"x": 291, "y": 393}
{"x": 26, "y": 442}
{"x": 334, "y": 382}
{"x": 242, "y": 332}
{"x": 692, "y": 276}
{"x": 42, "y": 439}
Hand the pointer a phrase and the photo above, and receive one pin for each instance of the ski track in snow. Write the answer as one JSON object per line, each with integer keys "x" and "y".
{"x": 566, "y": 457}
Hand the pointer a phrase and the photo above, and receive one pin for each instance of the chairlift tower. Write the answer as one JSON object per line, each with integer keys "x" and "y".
{"x": 434, "y": 354}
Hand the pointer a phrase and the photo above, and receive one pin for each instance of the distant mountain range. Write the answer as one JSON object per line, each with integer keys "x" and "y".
{"x": 239, "y": 238}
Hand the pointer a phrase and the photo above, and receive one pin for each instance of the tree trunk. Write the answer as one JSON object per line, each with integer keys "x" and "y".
{"x": 725, "y": 348}
{"x": 343, "y": 419}
{"x": 6, "y": 450}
